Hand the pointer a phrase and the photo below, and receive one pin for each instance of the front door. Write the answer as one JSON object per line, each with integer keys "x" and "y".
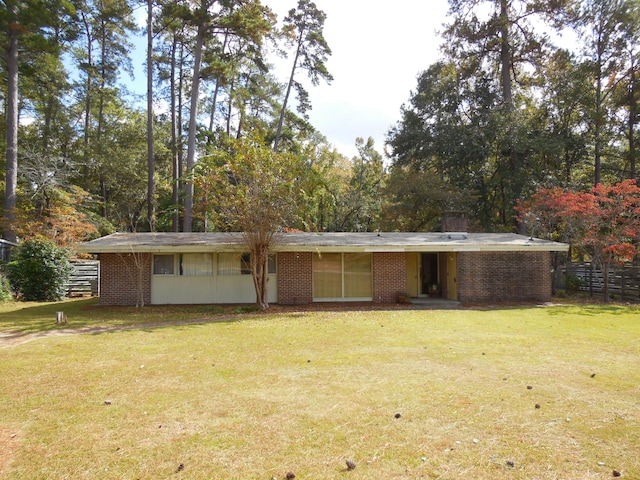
{"x": 452, "y": 276}
{"x": 413, "y": 274}
{"x": 429, "y": 278}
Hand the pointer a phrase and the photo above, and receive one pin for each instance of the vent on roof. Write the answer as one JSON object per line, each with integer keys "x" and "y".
{"x": 454, "y": 236}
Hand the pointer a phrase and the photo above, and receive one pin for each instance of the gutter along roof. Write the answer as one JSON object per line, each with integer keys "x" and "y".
{"x": 323, "y": 242}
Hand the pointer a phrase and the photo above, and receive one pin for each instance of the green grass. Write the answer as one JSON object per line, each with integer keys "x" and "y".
{"x": 303, "y": 392}
{"x": 31, "y": 317}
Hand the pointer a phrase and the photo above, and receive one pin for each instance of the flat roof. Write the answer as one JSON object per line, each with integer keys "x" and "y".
{"x": 324, "y": 242}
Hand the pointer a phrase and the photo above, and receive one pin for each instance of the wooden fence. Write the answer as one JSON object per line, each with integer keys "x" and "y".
{"x": 624, "y": 280}
{"x": 84, "y": 279}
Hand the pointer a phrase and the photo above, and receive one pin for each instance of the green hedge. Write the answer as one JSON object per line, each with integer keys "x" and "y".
{"x": 39, "y": 271}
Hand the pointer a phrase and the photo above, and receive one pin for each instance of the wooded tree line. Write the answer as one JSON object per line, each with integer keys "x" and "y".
{"x": 510, "y": 107}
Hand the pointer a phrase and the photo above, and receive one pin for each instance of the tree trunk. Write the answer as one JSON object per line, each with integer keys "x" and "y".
{"x": 633, "y": 114}
{"x": 88, "y": 94}
{"x": 100, "y": 125}
{"x": 140, "y": 284}
{"x": 605, "y": 277}
{"x": 103, "y": 193}
{"x": 151, "y": 184}
{"x": 597, "y": 133}
{"x": 241, "y": 118}
{"x": 11, "y": 178}
{"x": 191, "y": 141}
{"x": 507, "y": 95}
{"x": 283, "y": 110}
{"x": 598, "y": 113}
{"x": 180, "y": 143}
{"x": 214, "y": 99}
{"x": 229, "y": 108}
{"x": 505, "y": 57}
{"x": 260, "y": 271}
{"x": 175, "y": 182}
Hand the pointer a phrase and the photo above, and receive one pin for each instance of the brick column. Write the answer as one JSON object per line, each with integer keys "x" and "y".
{"x": 295, "y": 278}
{"x": 119, "y": 281}
{"x": 389, "y": 276}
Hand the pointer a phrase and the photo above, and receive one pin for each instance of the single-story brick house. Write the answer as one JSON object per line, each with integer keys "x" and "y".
{"x": 209, "y": 268}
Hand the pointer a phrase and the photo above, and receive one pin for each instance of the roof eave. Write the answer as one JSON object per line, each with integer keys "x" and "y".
{"x": 426, "y": 248}
{"x": 124, "y": 249}
{"x": 122, "y": 243}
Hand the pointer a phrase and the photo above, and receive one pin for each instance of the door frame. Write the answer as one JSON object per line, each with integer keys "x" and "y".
{"x": 452, "y": 276}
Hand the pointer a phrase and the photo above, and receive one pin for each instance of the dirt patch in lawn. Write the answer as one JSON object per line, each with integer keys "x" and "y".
{"x": 8, "y": 445}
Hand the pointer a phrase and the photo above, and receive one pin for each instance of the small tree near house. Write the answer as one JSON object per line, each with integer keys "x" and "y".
{"x": 137, "y": 263}
{"x": 251, "y": 189}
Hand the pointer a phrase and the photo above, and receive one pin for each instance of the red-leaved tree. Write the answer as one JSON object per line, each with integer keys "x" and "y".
{"x": 604, "y": 223}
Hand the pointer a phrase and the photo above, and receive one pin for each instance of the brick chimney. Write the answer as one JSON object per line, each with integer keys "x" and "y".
{"x": 454, "y": 222}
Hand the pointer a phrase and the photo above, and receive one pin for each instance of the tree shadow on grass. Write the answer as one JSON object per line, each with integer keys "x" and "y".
{"x": 31, "y": 317}
{"x": 21, "y": 322}
{"x": 17, "y": 337}
{"x": 27, "y": 322}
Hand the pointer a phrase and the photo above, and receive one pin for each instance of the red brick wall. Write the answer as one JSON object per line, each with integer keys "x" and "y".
{"x": 504, "y": 277}
{"x": 482, "y": 277}
{"x": 119, "y": 278}
{"x": 389, "y": 276}
{"x": 295, "y": 278}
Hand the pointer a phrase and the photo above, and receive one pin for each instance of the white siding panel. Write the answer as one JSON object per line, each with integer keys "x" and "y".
{"x": 175, "y": 289}
{"x": 240, "y": 289}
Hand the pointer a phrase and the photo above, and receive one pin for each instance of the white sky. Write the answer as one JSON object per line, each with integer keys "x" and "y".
{"x": 378, "y": 50}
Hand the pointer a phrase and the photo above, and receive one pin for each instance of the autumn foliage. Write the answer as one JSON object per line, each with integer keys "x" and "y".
{"x": 60, "y": 221}
{"x": 603, "y": 223}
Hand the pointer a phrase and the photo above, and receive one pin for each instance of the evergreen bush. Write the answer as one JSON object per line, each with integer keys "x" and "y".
{"x": 6, "y": 293}
{"x": 40, "y": 270}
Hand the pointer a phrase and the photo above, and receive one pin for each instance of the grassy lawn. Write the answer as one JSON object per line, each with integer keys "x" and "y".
{"x": 520, "y": 393}
{"x": 29, "y": 317}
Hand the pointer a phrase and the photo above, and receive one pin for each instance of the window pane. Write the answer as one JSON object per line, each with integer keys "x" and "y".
{"x": 327, "y": 275}
{"x": 196, "y": 264}
{"x": 240, "y": 264}
{"x": 229, "y": 263}
{"x": 272, "y": 263}
{"x": 246, "y": 264}
{"x": 357, "y": 275}
{"x": 163, "y": 264}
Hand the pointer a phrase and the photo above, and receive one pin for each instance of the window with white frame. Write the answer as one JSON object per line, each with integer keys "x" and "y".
{"x": 272, "y": 263}
{"x": 163, "y": 264}
{"x": 196, "y": 264}
{"x": 187, "y": 265}
{"x": 342, "y": 275}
